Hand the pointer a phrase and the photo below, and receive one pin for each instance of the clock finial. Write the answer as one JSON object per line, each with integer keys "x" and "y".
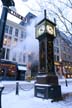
{"x": 45, "y": 13}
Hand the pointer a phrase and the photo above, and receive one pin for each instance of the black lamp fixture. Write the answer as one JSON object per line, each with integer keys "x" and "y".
{"x": 8, "y": 3}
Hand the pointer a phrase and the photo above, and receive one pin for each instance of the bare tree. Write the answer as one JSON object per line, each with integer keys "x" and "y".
{"x": 63, "y": 14}
{"x": 59, "y": 9}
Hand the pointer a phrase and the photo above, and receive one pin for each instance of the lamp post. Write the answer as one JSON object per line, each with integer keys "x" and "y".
{"x": 6, "y": 4}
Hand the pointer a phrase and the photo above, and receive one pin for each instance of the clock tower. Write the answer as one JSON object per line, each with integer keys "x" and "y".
{"x": 46, "y": 32}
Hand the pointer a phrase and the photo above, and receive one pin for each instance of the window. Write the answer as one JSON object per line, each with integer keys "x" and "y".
{"x": 69, "y": 57}
{"x": 5, "y": 40}
{"x": 56, "y": 42}
{"x": 15, "y": 41}
{"x": 7, "y": 53}
{"x": 20, "y": 57}
{"x": 14, "y": 57}
{"x": 9, "y": 41}
{"x": 29, "y": 58}
{"x": 56, "y": 49}
{"x": 23, "y": 34}
{"x": 57, "y": 58}
{"x": 64, "y": 56}
{"x": 6, "y": 29}
{"x": 16, "y": 32}
{"x": 3, "y": 53}
{"x": 24, "y": 58}
{"x": 64, "y": 48}
{"x": 10, "y": 30}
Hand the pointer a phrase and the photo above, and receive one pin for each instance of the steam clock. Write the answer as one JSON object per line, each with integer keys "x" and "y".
{"x": 45, "y": 33}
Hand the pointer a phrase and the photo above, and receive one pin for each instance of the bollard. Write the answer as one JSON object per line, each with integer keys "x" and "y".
{"x": 66, "y": 82}
{"x": 17, "y": 88}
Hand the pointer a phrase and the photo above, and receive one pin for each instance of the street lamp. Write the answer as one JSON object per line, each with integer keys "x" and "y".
{"x": 6, "y": 4}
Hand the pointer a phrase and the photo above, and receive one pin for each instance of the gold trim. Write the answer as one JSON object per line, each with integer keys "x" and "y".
{"x": 56, "y": 63}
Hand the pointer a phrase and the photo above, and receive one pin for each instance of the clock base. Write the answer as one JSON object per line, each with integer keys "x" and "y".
{"x": 44, "y": 78}
{"x": 47, "y": 87}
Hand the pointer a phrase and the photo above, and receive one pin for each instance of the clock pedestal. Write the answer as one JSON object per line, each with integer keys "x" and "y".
{"x": 46, "y": 85}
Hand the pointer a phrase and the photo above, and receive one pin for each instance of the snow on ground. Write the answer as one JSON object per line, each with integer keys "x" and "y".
{"x": 26, "y": 99}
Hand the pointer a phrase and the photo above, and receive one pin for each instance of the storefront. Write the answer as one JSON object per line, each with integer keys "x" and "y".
{"x": 8, "y": 70}
{"x": 68, "y": 69}
{"x": 63, "y": 69}
{"x": 12, "y": 71}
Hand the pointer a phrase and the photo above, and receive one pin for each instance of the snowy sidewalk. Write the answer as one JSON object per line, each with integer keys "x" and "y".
{"x": 26, "y": 99}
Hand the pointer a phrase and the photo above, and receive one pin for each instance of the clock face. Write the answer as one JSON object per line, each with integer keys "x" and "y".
{"x": 50, "y": 29}
{"x": 41, "y": 29}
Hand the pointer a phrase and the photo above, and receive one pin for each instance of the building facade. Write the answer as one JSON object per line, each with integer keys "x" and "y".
{"x": 63, "y": 55}
{"x": 13, "y": 36}
{"x": 18, "y": 46}
{"x": 12, "y": 54}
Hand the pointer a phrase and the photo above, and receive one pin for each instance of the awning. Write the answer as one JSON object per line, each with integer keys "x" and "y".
{"x": 24, "y": 68}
